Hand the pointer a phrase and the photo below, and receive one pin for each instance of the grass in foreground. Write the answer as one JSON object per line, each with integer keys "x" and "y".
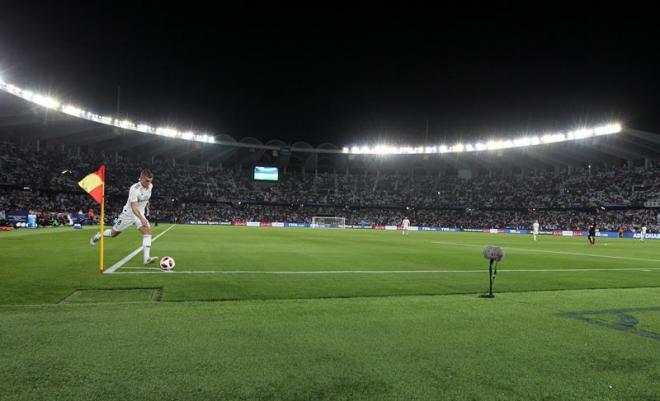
{"x": 457, "y": 347}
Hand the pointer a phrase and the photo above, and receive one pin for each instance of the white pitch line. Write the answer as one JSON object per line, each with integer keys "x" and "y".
{"x": 380, "y": 271}
{"x": 122, "y": 262}
{"x": 555, "y": 252}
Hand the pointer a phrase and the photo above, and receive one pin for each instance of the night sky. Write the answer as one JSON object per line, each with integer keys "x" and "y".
{"x": 316, "y": 75}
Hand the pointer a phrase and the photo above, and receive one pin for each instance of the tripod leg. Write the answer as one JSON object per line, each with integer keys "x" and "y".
{"x": 490, "y": 276}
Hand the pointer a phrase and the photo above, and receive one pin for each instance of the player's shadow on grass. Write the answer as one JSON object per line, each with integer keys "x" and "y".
{"x": 618, "y": 319}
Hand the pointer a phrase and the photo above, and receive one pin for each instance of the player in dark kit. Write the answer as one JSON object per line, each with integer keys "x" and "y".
{"x": 592, "y": 234}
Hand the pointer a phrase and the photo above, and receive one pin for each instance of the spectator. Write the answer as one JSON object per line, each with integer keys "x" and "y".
{"x": 564, "y": 200}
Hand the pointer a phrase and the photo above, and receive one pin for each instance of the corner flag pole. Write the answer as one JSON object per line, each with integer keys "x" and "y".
{"x": 92, "y": 183}
{"x": 102, "y": 226}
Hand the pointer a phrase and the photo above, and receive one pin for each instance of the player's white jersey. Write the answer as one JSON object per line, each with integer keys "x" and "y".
{"x": 535, "y": 227}
{"x": 405, "y": 223}
{"x": 643, "y": 230}
{"x": 138, "y": 194}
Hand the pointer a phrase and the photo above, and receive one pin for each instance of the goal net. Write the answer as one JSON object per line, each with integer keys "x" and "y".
{"x": 328, "y": 222}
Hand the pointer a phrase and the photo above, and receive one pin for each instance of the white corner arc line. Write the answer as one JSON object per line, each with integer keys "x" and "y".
{"x": 122, "y": 262}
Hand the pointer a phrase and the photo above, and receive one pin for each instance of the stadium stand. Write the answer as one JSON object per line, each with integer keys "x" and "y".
{"x": 44, "y": 180}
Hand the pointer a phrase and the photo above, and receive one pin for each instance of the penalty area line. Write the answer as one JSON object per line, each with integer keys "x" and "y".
{"x": 130, "y": 256}
{"x": 256, "y": 272}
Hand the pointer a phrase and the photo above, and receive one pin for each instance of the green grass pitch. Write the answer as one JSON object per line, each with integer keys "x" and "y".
{"x": 303, "y": 314}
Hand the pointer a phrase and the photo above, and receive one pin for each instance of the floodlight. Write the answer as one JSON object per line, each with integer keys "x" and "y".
{"x": 72, "y": 110}
{"x": 46, "y": 101}
{"x": 608, "y": 129}
{"x": 125, "y": 124}
{"x": 144, "y": 128}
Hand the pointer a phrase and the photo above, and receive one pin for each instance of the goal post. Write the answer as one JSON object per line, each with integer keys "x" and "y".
{"x": 328, "y": 222}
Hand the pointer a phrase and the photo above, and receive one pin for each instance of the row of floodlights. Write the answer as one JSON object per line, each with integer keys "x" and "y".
{"x": 490, "y": 145}
{"x": 54, "y": 104}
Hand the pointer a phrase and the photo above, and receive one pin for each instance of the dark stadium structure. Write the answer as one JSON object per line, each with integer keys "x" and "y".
{"x": 614, "y": 178}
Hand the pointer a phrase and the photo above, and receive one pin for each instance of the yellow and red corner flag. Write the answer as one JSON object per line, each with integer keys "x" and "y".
{"x": 93, "y": 184}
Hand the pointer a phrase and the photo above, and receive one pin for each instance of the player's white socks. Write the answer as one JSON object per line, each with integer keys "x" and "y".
{"x": 106, "y": 233}
{"x": 146, "y": 246}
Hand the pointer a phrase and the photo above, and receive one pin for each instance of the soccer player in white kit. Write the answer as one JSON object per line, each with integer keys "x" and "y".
{"x": 535, "y": 229}
{"x": 404, "y": 226}
{"x": 643, "y": 233}
{"x": 133, "y": 214}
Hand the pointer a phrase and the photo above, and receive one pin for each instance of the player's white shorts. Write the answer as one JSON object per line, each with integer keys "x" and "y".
{"x": 125, "y": 220}
{"x": 535, "y": 232}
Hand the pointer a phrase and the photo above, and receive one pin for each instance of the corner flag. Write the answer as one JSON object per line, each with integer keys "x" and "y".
{"x": 94, "y": 185}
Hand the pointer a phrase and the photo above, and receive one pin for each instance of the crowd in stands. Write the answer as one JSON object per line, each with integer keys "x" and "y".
{"x": 45, "y": 182}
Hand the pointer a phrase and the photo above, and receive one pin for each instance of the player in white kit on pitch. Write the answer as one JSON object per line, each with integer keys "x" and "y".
{"x": 642, "y": 234}
{"x": 133, "y": 214}
{"x": 404, "y": 226}
{"x": 535, "y": 229}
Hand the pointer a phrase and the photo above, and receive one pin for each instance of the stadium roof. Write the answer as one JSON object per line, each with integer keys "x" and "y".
{"x": 24, "y": 121}
{"x": 52, "y": 103}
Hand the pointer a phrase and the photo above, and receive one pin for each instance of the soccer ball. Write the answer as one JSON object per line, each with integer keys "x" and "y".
{"x": 167, "y": 263}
